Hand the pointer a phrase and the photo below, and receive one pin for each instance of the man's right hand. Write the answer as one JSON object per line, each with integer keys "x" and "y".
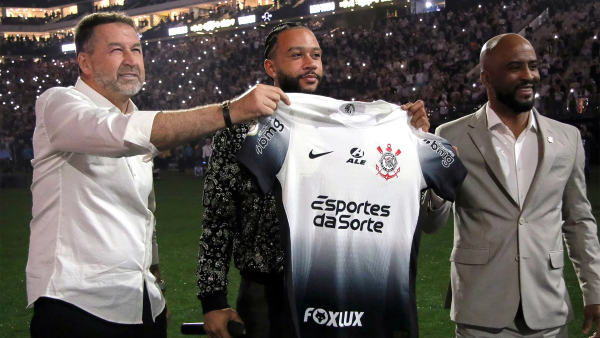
{"x": 261, "y": 100}
{"x": 215, "y": 322}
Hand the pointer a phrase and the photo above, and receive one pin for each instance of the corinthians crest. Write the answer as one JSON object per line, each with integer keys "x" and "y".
{"x": 388, "y": 163}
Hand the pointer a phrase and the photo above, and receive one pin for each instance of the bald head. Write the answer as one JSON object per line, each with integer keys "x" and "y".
{"x": 501, "y": 44}
{"x": 509, "y": 72}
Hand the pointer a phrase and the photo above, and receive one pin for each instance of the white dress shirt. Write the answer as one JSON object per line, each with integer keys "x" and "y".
{"x": 518, "y": 156}
{"x": 91, "y": 241}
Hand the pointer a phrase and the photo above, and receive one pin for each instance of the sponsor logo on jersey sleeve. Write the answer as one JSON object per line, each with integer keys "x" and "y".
{"x": 389, "y": 163}
{"x": 357, "y": 155}
{"x": 446, "y": 155}
{"x": 333, "y": 318}
{"x": 266, "y": 134}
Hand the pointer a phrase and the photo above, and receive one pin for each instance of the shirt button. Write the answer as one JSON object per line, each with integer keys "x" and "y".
{"x": 517, "y": 258}
{"x": 521, "y": 221}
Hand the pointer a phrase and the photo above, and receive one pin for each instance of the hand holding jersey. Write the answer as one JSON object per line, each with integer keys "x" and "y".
{"x": 260, "y": 101}
{"x": 349, "y": 211}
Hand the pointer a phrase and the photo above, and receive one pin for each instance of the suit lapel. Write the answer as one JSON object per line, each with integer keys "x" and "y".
{"x": 547, "y": 155}
{"x": 483, "y": 141}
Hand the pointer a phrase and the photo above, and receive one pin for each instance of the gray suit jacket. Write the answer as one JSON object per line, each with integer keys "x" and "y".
{"x": 504, "y": 254}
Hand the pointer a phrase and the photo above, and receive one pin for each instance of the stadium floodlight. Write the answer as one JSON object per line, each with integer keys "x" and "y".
{"x": 428, "y": 4}
{"x": 69, "y": 47}
{"x": 178, "y": 31}
{"x": 245, "y": 20}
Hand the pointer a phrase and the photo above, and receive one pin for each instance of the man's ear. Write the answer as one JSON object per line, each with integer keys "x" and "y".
{"x": 270, "y": 68}
{"x": 84, "y": 61}
{"x": 485, "y": 79}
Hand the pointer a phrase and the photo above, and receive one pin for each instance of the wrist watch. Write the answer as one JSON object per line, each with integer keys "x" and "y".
{"x": 226, "y": 115}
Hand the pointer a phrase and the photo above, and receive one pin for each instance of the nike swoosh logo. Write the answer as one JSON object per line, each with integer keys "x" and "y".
{"x": 312, "y": 156}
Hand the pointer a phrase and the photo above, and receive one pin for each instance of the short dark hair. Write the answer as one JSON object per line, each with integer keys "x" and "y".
{"x": 271, "y": 40}
{"x": 84, "y": 31}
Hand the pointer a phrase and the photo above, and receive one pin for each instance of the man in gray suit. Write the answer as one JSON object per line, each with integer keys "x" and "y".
{"x": 525, "y": 190}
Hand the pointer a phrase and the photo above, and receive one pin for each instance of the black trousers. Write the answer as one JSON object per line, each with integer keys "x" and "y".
{"x": 53, "y": 318}
{"x": 263, "y": 307}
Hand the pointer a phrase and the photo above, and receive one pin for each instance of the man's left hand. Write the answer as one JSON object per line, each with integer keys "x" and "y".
{"x": 418, "y": 115}
{"x": 591, "y": 315}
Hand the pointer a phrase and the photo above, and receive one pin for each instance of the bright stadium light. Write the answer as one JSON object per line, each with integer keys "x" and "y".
{"x": 70, "y": 47}
{"x": 245, "y": 20}
{"x": 320, "y": 8}
{"x": 427, "y": 4}
{"x": 178, "y": 31}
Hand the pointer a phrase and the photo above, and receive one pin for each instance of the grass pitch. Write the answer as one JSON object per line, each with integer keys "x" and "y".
{"x": 179, "y": 214}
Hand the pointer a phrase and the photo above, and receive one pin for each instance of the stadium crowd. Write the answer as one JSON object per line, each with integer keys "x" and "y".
{"x": 397, "y": 59}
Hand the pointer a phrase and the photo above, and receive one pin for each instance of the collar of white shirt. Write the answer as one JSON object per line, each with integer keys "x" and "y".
{"x": 99, "y": 100}
{"x": 493, "y": 120}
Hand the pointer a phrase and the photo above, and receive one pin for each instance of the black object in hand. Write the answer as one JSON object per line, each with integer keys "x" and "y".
{"x": 235, "y": 329}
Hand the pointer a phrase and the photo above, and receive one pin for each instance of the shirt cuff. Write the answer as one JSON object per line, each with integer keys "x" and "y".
{"x": 138, "y": 131}
{"x": 217, "y": 301}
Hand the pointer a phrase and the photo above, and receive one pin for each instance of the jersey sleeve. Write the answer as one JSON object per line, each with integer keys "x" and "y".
{"x": 442, "y": 169}
{"x": 264, "y": 150}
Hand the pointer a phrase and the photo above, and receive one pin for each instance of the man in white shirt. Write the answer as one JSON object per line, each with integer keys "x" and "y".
{"x": 91, "y": 245}
{"x": 206, "y": 150}
{"x": 524, "y": 192}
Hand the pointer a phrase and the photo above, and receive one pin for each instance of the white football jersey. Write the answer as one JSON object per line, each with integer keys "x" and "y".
{"x": 349, "y": 180}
